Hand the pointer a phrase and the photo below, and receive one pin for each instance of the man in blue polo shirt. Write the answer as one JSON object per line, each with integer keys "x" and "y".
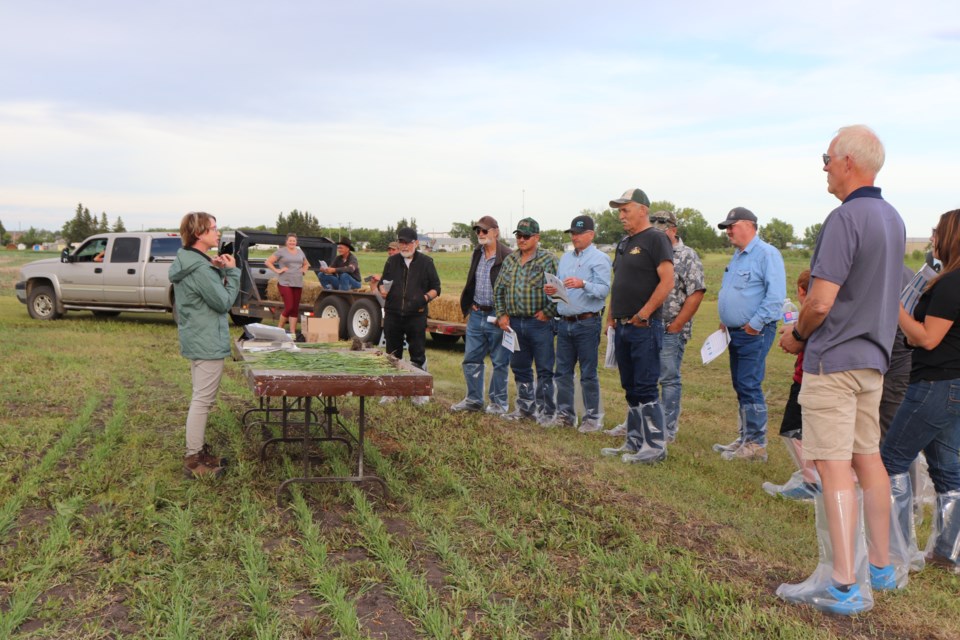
{"x": 751, "y": 298}
{"x": 585, "y": 273}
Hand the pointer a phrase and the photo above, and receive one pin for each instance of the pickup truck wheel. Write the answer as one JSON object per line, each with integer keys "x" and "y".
{"x": 106, "y": 314}
{"x": 444, "y": 338}
{"x": 42, "y": 303}
{"x": 333, "y": 307}
{"x": 364, "y": 321}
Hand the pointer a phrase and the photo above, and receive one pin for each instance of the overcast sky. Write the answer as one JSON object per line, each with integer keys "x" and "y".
{"x": 362, "y": 113}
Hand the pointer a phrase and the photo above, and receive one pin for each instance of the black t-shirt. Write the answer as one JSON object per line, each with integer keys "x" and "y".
{"x": 635, "y": 271}
{"x": 943, "y": 361}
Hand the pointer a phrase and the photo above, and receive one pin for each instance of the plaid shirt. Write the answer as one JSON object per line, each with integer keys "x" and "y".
{"x": 519, "y": 290}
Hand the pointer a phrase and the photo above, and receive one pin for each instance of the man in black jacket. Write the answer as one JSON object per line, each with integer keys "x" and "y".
{"x": 413, "y": 283}
{"x": 483, "y": 335}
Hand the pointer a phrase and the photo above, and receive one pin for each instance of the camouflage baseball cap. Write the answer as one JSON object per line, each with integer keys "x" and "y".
{"x": 528, "y": 226}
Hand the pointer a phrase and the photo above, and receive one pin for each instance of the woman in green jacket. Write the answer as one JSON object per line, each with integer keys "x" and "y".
{"x": 204, "y": 289}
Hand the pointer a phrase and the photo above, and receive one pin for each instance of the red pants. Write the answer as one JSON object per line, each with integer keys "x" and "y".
{"x": 291, "y": 300}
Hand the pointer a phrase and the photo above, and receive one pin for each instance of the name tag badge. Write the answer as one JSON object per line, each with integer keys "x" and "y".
{"x": 492, "y": 319}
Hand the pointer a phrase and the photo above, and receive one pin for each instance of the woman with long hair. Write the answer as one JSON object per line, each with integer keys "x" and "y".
{"x": 929, "y": 417}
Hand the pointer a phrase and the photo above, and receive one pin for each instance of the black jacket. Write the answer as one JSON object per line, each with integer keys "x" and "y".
{"x": 410, "y": 285}
{"x": 466, "y": 298}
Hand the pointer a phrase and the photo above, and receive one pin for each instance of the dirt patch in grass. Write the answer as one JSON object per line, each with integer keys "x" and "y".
{"x": 380, "y": 618}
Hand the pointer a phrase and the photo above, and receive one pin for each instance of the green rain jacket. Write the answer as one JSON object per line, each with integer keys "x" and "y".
{"x": 203, "y": 294}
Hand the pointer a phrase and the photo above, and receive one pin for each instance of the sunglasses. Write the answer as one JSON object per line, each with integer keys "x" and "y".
{"x": 661, "y": 220}
{"x": 523, "y": 236}
{"x": 826, "y": 159}
{"x": 480, "y": 231}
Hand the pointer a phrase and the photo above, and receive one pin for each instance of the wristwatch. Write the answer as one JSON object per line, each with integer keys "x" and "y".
{"x": 796, "y": 335}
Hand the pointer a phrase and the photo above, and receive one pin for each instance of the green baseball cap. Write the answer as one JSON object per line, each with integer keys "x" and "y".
{"x": 631, "y": 195}
{"x": 528, "y": 226}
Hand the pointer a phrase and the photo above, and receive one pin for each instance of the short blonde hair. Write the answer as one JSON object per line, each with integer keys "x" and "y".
{"x": 194, "y": 225}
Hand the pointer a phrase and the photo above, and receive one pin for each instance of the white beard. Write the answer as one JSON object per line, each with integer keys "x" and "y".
{"x": 483, "y": 241}
{"x": 407, "y": 254}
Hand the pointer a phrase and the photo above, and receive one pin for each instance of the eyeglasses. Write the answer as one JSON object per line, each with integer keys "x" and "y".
{"x": 480, "y": 231}
{"x": 826, "y": 159}
{"x": 404, "y": 243}
{"x": 523, "y": 236}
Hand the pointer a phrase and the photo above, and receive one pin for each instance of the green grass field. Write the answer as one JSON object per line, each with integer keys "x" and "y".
{"x": 490, "y": 529}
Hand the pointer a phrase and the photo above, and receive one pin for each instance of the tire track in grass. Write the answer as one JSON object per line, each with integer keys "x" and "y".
{"x": 31, "y": 481}
{"x": 59, "y": 543}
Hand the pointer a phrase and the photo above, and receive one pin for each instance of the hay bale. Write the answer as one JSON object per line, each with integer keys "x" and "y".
{"x": 311, "y": 291}
{"x": 446, "y": 308}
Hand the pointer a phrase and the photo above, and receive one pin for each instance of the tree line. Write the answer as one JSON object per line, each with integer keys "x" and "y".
{"x": 694, "y": 229}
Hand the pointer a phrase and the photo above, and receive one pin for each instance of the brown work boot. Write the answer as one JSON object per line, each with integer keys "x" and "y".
{"x": 195, "y": 467}
{"x": 206, "y": 455}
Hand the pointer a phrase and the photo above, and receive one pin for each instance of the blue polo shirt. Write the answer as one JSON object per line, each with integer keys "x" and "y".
{"x": 754, "y": 286}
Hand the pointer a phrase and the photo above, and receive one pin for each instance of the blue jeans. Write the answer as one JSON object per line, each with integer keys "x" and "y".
{"x": 578, "y": 342}
{"x": 928, "y": 420}
{"x": 535, "y": 342}
{"x": 483, "y": 339}
{"x": 638, "y": 357}
{"x": 748, "y": 367}
{"x": 671, "y": 357}
{"x": 339, "y": 282}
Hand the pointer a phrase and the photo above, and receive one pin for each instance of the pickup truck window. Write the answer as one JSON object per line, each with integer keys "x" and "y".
{"x": 165, "y": 247}
{"x": 125, "y": 250}
{"x": 91, "y": 250}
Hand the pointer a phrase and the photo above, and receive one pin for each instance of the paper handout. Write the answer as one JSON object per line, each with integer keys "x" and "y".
{"x": 561, "y": 294}
{"x": 715, "y": 344}
{"x": 912, "y": 292}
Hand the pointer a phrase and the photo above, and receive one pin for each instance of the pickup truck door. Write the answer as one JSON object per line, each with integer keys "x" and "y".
{"x": 156, "y": 281}
{"x": 122, "y": 273}
{"x": 81, "y": 280}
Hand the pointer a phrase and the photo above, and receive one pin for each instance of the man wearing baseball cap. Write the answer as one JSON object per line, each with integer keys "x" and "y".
{"x": 751, "y": 298}
{"x": 521, "y": 306}
{"x": 585, "y": 273}
{"x": 484, "y": 337}
{"x": 643, "y": 278}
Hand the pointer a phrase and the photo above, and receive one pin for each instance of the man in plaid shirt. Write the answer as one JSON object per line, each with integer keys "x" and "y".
{"x": 522, "y": 307}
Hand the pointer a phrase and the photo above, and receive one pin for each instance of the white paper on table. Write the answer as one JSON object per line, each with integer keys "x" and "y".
{"x": 715, "y": 344}
{"x": 561, "y": 294}
{"x": 912, "y": 292}
{"x": 610, "y": 362}
{"x": 266, "y": 332}
{"x": 509, "y": 341}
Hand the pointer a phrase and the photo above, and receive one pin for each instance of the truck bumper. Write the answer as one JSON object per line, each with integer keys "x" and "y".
{"x": 21, "y": 288}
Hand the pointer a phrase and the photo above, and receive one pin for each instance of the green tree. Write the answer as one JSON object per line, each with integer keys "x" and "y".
{"x": 81, "y": 226}
{"x": 118, "y": 226}
{"x": 104, "y": 225}
{"x": 778, "y": 233}
{"x": 34, "y": 236}
{"x": 692, "y": 227}
{"x": 553, "y": 239}
{"x": 402, "y": 222}
{"x": 302, "y": 224}
{"x": 4, "y": 236}
{"x": 811, "y": 233}
{"x": 462, "y": 230}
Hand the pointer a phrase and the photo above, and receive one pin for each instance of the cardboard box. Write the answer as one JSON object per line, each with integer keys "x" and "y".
{"x": 322, "y": 329}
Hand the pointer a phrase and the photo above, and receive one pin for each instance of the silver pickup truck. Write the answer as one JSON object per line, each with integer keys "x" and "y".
{"x": 108, "y": 273}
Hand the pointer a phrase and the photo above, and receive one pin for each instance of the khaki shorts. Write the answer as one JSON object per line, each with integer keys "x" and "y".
{"x": 841, "y": 414}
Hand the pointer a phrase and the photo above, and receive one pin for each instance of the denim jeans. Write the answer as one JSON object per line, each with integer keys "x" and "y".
{"x": 748, "y": 366}
{"x": 339, "y": 282}
{"x": 671, "y": 357}
{"x": 928, "y": 420}
{"x": 535, "y": 342}
{"x": 578, "y": 342}
{"x": 637, "y": 350}
{"x": 483, "y": 339}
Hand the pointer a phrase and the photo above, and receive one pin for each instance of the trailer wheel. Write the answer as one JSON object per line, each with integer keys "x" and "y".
{"x": 364, "y": 321}
{"x": 333, "y": 307}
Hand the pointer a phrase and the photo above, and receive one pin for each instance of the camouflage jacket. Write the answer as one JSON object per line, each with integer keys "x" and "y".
{"x": 687, "y": 279}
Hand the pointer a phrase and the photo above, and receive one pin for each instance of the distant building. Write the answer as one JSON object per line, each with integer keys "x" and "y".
{"x": 917, "y": 244}
{"x": 447, "y": 243}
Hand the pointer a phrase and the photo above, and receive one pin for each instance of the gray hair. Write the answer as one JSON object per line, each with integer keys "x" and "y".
{"x": 860, "y": 143}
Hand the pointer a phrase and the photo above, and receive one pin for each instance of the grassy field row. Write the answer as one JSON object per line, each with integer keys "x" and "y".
{"x": 488, "y": 530}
